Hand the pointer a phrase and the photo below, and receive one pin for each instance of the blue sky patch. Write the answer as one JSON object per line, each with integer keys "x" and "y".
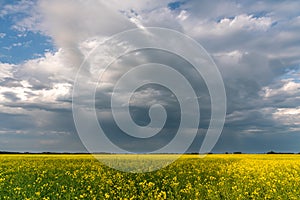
{"x": 175, "y": 5}
{"x": 17, "y": 46}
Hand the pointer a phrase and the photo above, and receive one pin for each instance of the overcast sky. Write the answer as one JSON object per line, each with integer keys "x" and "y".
{"x": 255, "y": 45}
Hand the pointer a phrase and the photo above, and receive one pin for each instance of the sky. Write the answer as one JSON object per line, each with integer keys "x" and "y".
{"x": 254, "y": 44}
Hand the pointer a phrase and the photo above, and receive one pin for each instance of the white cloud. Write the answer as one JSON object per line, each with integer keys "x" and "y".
{"x": 6, "y": 70}
{"x": 71, "y": 23}
{"x": 294, "y": 129}
{"x": 289, "y": 87}
{"x": 254, "y": 130}
{"x": 242, "y": 22}
{"x": 2, "y": 35}
{"x": 183, "y": 15}
{"x": 50, "y": 68}
{"x": 62, "y": 17}
{"x": 161, "y": 17}
{"x": 17, "y": 44}
{"x": 210, "y": 26}
{"x": 20, "y": 6}
{"x": 28, "y": 95}
{"x": 58, "y": 91}
{"x": 230, "y": 57}
{"x": 44, "y": 80}
{"x": 288, "y": 116}
{"x": 139, "y": 6}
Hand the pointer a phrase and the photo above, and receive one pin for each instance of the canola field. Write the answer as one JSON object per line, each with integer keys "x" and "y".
{"x": 190, "y": 177}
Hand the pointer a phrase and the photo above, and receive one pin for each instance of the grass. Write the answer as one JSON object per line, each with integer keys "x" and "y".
{"x": 190, "y": 177}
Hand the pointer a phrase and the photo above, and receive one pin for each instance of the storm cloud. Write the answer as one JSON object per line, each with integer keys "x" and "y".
{"x": 255, "y": 45}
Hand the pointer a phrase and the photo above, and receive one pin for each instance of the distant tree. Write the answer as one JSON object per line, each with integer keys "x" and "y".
{"x": 237, "y": 152}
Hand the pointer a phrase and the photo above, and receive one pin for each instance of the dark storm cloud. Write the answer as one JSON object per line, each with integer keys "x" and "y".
{"x": 147, "y": 95}
{"x": 14, "y": 121}
{"x": 41, "y": 106}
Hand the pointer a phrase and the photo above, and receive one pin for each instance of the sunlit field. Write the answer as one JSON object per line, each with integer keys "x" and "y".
{"x": 190, "y": 177}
